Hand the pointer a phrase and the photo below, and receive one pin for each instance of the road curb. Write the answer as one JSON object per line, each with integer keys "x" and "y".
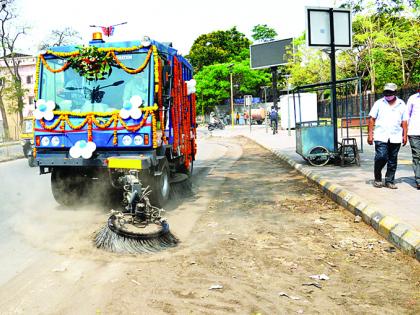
{"x": 12, "y": 158}
{"x": 401, "y": 235}
{"x": 8, "y": 144}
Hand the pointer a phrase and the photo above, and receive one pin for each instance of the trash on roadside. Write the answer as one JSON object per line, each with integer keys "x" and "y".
{"x": 289, "y": 296}
{"x": 391, "y": 249}
{"x": 320, "y": 277}
{"x": 357, "y": 219}
{"x": 216, "y": 287}
{"x": 318, "y": 221}
{"x": 315, "y": 284}
{"x": 136, "y": 282}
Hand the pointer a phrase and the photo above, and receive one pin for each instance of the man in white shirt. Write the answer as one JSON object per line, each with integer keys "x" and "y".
{"x": 389, "y": 116}
{"x": 413, "y": 117}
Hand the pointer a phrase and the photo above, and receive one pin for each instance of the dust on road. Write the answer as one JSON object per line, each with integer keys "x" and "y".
{"x": 255, "y": 231}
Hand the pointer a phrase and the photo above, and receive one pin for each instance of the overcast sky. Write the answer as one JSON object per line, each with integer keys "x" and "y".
{"x": 178, "y": 21}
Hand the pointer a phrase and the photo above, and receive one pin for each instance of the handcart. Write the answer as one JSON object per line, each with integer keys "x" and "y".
{"x": 315, "y": 138}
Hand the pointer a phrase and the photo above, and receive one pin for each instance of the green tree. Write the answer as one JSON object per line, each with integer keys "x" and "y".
{"x": 308, "y": 65}
{"x": 263, "y": 33}
{"x": 217, "y": 47}
{"x": 213, "y": 83}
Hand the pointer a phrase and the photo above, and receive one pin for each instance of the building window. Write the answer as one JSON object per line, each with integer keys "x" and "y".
{"x": 29, "y": 79}
{"x": 31, "y": 100}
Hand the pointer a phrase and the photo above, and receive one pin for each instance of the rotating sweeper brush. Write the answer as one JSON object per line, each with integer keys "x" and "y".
{"x": 139, "y": 227}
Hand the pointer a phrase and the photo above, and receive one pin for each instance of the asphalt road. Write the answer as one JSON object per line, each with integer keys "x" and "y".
{"x": 253, "y": 236}
{"x": 27, "y": 204}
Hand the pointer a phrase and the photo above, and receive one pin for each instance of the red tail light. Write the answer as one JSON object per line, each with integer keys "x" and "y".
{"x": 37, "y": 141}
{"x": 146, "y": 139}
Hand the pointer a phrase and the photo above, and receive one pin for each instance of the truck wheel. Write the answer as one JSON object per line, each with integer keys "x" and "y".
{"x": 161, "y": 187}
{"x": 67, "y": 186}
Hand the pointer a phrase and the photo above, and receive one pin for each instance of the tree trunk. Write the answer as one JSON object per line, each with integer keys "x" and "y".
{"x": 5, "y": 122}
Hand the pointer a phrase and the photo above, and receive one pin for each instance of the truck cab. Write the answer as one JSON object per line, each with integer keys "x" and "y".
{"x": 107, "y": 108}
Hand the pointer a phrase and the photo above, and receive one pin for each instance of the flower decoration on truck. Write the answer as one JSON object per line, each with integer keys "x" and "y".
{"x": 132, "y": 108}
{"x": 91, "y": 63}
{"x": 44, "y": 110}
{"x": 82, "y": 149}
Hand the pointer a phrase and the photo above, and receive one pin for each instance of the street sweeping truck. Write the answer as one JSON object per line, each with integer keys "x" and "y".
{"x": 120, "y": 115}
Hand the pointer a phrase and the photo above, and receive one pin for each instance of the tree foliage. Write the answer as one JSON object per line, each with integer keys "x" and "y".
{"x": 385, "y": 49}
{"x": 213, "y": 83}
{"x": 217, "y": 47}
{"x": 263, "y": 33}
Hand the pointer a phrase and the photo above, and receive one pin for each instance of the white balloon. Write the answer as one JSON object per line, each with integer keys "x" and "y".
{"x": 50, "y": 105}
{"x": 74, "y": 152}
{"x": 49, "y": 115}
{"x": 38, "y": 114}
{"x": 40, "y": 102}
{"x": 135, "y": 113}
{"x": 91, "y": 146}
{"x": 87, "y": 154}
{"x": 124, "y": 113}
{"x": 136, "y": 100}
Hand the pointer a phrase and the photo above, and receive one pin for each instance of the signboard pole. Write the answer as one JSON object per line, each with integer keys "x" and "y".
{"x": 274, "y": 79}
{"x": 231, "y": 98}
{"x": 333, "y": 80}
{"x": 248, "y": 102}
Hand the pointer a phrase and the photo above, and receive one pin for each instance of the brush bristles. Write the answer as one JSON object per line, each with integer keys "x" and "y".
{"x": 110, "y": 241}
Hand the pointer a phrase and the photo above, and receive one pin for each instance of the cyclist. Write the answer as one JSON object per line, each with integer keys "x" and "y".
{"x": 274, "y": 116}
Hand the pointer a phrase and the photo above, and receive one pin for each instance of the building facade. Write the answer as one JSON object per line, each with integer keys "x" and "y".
{"x": 26, "y": 68}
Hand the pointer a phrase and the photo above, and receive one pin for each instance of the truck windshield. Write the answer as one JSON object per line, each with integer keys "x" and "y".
{"x": 72, "y": 92}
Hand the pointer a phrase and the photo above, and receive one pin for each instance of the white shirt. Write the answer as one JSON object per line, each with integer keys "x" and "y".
{"x": 388, "y": 120}
{"x": 413, "y": 115}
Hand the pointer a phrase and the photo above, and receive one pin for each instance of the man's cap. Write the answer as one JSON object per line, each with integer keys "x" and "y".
{"x": 390, "y": 87}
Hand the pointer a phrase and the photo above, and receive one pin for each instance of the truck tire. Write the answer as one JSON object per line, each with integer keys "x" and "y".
{"x": 161, "y": 187}
{"x": 67, "y": 186}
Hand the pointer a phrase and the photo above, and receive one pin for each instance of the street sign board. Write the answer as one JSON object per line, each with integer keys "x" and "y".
{"x": 270, "y": 54}
{"x": 318, "y": 27}
{"x": 248, "y": 100}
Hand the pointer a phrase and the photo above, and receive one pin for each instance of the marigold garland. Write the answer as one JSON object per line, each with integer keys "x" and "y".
{"x": 132, "y": 71}
{"x": 154, "y": 134}
{"x": 45, "y": 63}
{"x": 37, "y": 67}
{"x": 115, "y": 140}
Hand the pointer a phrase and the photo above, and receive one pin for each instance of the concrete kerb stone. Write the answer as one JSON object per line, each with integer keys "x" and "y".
{"x": 400, "y": 234}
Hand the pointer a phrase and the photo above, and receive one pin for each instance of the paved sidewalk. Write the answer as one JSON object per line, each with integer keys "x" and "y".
{"x": 395, "y": 214}
{"x": 10, "y": 151}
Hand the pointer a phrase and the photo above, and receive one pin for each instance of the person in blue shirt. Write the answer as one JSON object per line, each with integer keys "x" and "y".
{"x": 274, "y": 118}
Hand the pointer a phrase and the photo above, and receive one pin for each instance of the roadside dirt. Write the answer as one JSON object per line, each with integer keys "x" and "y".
{"x": 255, "y": 231}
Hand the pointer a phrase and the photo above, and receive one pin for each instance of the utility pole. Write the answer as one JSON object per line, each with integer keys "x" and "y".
{"x": 231, "y": 93}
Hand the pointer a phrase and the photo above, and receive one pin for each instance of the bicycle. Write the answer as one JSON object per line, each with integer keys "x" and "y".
{"x": 274, "y": 127}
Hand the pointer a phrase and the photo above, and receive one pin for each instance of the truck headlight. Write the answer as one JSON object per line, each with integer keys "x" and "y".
{"x": 55, "y": 141}
{"x": 45, "y": 141}
{"x": 138, "y": 140}
{"x": 127, "y": 140}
